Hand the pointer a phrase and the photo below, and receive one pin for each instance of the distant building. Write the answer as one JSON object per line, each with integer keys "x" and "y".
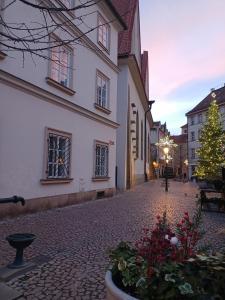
{"x": 180, "y": 155}
{"x": 158, "y": 131}
{"x": 196, "y": 119}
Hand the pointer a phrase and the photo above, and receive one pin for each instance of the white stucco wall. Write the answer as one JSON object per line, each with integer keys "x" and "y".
{"x": 122, "y": 106}
{"x": 23, "y": 119}
{"x": 85, "y": 61}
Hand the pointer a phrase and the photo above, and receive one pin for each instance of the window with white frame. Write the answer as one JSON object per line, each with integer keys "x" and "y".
{"x": 61, "y": 65}
{"x": 199, "y": 118}
{"x": 58, "y": 154}
{"x": 102, "y": 90}
{"x": 192, "y": 136}
{"x": 103, "y": 32}
{"x": 193, "y": 153}
{"x": 192, "y": 121}
{"x": 101, "y": 159}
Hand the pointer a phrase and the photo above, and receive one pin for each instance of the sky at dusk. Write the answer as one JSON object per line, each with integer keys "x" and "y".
{"x": 186, "y": 44}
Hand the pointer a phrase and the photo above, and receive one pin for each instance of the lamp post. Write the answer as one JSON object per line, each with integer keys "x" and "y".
{"x": 166, "y": 144}
{"x": 166, "y": 152}
{"x": 145, "y": 144}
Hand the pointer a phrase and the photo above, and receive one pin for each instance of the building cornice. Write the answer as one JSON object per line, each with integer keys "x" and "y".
{"x": 202, "y": 110}
{"x": 47, "y": 96}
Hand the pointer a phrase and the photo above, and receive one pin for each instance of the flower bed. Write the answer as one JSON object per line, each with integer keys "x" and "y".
{"x": 165, "y": 264}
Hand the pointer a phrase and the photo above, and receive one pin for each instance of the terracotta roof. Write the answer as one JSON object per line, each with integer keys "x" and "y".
{"x": 204, "y": 104}
{"x": 116, "y": 13}
{"x": 126, "y": 9}
{"x": 179, "y": 139}
{"x": 144, "y": 65}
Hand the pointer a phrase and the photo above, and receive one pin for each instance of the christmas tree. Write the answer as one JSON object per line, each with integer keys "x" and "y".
{"x": 212, "y": 139}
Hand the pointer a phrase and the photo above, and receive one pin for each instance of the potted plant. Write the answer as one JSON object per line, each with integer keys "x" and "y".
{"x": 165, "y": 264}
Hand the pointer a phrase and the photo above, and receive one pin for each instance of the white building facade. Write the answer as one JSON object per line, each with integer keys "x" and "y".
{"x": 59, "y": 121}
{"x": 133, "y": 135}
{"x": 196, "y": 119}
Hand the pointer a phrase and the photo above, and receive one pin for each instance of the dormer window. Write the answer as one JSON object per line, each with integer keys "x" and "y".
{"x": 103, "y": 33}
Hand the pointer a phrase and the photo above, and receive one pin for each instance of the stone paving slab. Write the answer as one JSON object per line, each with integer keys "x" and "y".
{"x": 75, "y": 239}
{"x": 7, "y": 293}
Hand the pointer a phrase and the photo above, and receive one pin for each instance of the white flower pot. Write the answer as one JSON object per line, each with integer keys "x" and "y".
{"x": 113, "y": 292}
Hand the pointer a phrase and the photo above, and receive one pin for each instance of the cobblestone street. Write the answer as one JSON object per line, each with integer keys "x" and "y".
{"x": 72, "y": 242}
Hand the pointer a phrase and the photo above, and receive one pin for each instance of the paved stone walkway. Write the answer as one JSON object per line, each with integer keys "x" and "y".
{"x": 72, "y": 242}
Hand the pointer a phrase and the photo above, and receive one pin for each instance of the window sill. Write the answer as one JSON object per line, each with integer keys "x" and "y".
{"x": 2, "y": 55}
{"x": 103, "y": 109}
{"x": 100, "y": 179}
{"x": 103, "y": 47}
{"x": 56, "y": 181}
{"x": 70, "y": 12}
{"x": 59, "y": 86}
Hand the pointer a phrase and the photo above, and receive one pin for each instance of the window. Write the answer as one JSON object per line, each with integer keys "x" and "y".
{"x": 58, "y": 154}
{"x": 192, "y": 136}
{"x": 141, "y": 140}
{"x": 101, "y": 159}
{"x": 192, "y": 170}
{"x": 61, "y": 65}
{"x": 193, "y": 153}
{"x": 102, "y": 90}
{"x": 199, "y": 133}
{"x": 192, "y": 121}
{"x": 103, "y": 32}
{"x": 199, "y": 118}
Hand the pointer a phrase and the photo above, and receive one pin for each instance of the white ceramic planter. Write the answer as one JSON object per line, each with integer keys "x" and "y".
{"x": 113, "y": 292}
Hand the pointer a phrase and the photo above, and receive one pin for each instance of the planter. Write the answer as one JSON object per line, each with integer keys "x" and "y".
{"x": 113, "y": 292}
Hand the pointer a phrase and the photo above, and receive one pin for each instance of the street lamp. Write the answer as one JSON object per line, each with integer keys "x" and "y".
{"x": 149, "y": 109}
{"x": 166, "y": 144}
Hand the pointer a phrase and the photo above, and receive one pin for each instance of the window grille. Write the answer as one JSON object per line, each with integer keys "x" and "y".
{"x": 102, "y": 90}
{"x": 101, "y": 160}
{"x": 192, "y": 136}
{"x": 59, "y": 151}
{"x": 61, "y": 65}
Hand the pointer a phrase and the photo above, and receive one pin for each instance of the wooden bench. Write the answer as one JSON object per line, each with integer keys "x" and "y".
{"x": 218, "y": 202}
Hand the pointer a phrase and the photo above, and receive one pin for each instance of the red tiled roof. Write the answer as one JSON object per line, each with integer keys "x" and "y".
{"x": 144, "y": 65}
{"x": 126, "y": 9}
{"x": 179, "y": 139}
{"x": 204, "y": 104}
{"x": 116, "y": 13}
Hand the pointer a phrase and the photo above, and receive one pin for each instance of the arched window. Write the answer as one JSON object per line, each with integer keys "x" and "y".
{"x": 137, "y": 135}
